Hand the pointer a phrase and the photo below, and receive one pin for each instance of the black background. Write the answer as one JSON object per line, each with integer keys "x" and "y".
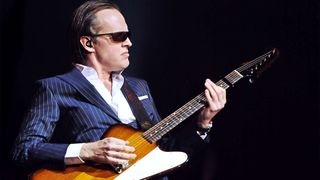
{"x": 268, "y": 130}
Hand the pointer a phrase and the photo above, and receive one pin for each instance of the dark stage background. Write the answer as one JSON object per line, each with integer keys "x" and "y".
{"x": 268, "y": 130}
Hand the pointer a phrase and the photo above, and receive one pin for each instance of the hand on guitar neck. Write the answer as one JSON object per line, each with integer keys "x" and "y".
{"x": 216, "y": 99}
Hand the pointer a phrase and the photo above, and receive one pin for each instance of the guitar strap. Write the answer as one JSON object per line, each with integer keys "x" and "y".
{"x": 136, "y": 106}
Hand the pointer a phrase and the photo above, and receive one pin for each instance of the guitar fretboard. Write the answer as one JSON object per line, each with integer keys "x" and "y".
{"x": 156, "y": 132}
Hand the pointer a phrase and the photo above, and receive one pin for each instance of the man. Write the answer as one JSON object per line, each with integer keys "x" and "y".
{"x": 70, "y": 112}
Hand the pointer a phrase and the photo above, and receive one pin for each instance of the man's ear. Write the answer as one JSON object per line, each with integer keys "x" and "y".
{"x": 86, "y": 43}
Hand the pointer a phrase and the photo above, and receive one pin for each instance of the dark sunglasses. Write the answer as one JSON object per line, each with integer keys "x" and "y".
{"x": 116, "y": 36}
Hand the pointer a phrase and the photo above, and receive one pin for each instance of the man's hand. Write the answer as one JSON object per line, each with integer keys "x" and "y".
{"x": 216, "y": 99}
{"x": 109, "y": 150}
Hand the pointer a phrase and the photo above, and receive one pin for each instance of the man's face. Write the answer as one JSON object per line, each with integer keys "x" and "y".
{"x": 111, "y": 55}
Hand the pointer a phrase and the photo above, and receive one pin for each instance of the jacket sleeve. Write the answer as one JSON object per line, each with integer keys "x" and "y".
{"x": 184, "y": 138}
{"x": 32, "y": 145}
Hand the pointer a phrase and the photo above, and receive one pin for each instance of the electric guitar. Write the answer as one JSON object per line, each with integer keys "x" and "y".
{"x": 148, "y": 154}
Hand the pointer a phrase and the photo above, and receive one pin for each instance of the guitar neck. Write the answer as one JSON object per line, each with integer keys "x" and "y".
{"x": 156, "y": 132}
{"x": 163, "y": 127}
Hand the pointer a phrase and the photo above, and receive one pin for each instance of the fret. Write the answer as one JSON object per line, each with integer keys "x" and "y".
{"x": 222, "y": 84}
{"x": 174, "y": 119}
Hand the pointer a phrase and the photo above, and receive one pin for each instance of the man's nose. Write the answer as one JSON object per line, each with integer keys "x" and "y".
{"x": 127, "y": 42}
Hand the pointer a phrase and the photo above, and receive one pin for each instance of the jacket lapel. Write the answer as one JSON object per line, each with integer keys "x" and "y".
{"x": 82, "y": 85}
{"x": 141, "y": 89}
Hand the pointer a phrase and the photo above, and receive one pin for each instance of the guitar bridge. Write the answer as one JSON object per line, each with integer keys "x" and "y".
{"x": 119, "y": 168}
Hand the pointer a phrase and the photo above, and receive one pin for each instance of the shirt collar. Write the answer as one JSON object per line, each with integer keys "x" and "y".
{"x": 89, "y": 71}
{"x": 92, "y": 75}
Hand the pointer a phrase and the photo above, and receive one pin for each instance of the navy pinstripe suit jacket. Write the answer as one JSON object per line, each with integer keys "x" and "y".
{"x": 68, "y": 109}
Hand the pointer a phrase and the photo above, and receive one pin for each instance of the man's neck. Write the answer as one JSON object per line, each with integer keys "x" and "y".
{"x": 104, "y": 75}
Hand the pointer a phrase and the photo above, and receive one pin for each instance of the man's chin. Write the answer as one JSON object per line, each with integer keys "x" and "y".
{"x": 126, "y": 64}
{"x": 123, "y": 67}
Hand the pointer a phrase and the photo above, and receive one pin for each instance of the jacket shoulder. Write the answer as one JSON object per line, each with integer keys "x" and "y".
{"x": 136, "y": 82}
{"x": 54, "y": 81}
{"x": 134, "y": 79}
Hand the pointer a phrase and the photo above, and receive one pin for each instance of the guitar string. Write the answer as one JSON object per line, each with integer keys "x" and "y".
{"x": 171, "y": 124}
{"x": 139, "y": 142}
{"x": 170, "y": 121}
{"x": 255, "y": 61}
{"x": 250, "y": 64}
{"x": 187, "y": 110}
{"x": 192, "y": 106}
{"x": 156, "y": 129}
{"x": 181, "y": 114}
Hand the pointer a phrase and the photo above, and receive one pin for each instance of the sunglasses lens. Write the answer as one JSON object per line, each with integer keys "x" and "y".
{"x": 120, "y": 36}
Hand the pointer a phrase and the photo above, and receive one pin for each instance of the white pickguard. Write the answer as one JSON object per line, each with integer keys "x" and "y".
{"x": 155, "y": 162}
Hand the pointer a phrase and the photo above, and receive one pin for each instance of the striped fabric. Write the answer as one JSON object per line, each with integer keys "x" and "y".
{"x": 68, "y": 109}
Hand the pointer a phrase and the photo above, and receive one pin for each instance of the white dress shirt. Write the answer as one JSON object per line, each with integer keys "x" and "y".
{"x": 115, "y": 100}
